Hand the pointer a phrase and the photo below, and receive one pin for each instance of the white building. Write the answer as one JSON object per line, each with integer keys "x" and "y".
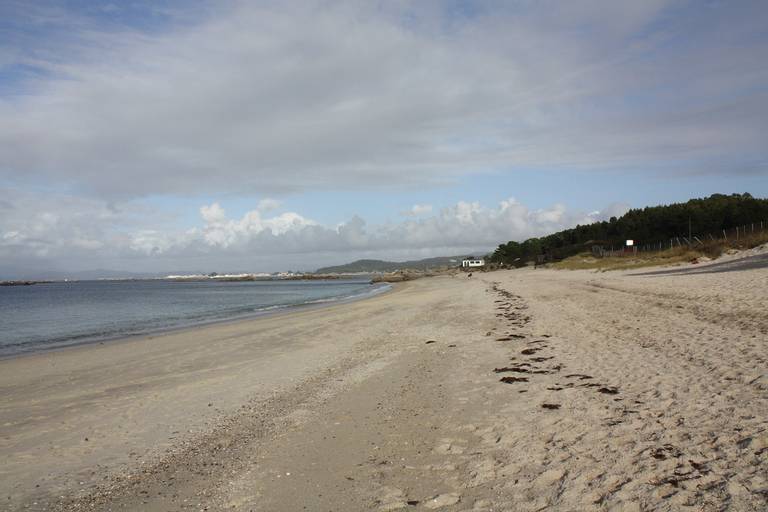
{"x": 472, "y": 262}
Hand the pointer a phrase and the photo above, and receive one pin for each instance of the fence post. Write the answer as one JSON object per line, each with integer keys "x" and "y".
{"x": 737, "y": 233}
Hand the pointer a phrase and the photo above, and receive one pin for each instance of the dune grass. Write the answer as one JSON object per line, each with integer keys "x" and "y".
{"x": 674, "y": 256}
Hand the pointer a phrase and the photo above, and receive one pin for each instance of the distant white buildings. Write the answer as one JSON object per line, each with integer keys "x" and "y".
{"x": 222, "y": 277}
{"x": 186, "y": 276}
{"x": 472, "y": 262}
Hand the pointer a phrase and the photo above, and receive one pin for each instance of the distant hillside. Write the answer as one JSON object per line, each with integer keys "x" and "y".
{"x": 648, "y": 225}
{"x": 391, "y": 266}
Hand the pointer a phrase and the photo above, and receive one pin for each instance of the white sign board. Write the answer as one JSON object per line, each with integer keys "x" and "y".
{"x": 630, "y": 243}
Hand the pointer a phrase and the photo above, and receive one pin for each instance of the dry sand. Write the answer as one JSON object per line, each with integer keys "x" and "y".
{"x": 622, "y": 393}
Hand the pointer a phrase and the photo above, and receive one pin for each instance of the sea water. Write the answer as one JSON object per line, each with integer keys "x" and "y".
{"x": 53, "y": 315}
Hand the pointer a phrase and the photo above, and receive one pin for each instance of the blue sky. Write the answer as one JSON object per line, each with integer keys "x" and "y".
{"x": 155, "y": 136}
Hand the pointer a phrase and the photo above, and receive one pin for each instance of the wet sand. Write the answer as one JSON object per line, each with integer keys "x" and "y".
{"x": 513, "y": 390}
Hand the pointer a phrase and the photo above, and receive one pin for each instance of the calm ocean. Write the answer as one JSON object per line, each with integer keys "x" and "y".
{"x": 45, "y": 316}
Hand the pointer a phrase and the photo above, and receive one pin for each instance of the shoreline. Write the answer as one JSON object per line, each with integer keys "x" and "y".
{"x": 85, "y": 405}
{"x": 263, "y": 313}
{"x": 414, "y": 400}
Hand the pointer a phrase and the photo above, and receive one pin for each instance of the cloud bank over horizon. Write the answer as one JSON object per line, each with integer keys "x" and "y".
{"x": 82, "y": 235}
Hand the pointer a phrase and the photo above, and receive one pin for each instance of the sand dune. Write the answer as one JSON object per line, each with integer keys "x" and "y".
{"x": 513, "y": 390}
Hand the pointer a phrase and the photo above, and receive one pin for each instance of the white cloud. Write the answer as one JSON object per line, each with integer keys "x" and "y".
{"x": 220, "y": 231}
{"x": 465, "y": 225}
{"x": 612, "y": 210}
{"x": 268, "y": 204}
{"x": 267, "y": 98}
{"x": 418, "y": 210}
{"x": 150, "y": 242}
{"x": 82, "y": 233}
{"x": 213, "y": 213}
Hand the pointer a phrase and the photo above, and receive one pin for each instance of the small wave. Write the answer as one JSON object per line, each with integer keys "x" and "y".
{"x": 375, "y": 290}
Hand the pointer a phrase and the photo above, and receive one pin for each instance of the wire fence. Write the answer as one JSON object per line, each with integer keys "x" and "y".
{"x": 733, "y": 236}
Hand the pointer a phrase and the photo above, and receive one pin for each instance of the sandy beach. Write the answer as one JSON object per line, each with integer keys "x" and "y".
{"x": 512, "y": 390}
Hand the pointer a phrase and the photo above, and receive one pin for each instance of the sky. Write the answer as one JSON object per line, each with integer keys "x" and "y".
{"x": 196, "y": 135}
